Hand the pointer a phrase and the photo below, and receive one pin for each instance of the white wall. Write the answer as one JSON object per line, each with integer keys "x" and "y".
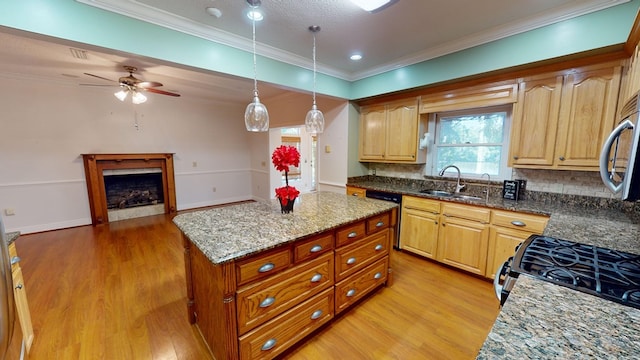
{"x": 46, "y": 126}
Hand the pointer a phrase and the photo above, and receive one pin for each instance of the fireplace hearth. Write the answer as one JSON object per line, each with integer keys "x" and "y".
{"x": 124, "y": 186}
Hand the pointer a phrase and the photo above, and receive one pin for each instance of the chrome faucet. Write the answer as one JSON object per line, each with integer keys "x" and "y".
{"x": 458, "y": 186}
{"x": 486, "y": 200}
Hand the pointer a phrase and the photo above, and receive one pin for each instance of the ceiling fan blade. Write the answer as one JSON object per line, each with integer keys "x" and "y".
{"x": 99, "y": 77}
{"x": 160, "y": 92}
{"x": 98, "y": 85}
{"x": 148, "y": 84}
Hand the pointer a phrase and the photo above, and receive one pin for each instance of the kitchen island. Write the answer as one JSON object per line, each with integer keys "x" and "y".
{"x": 542, "y": 320}
{"x": 258, "y": 281}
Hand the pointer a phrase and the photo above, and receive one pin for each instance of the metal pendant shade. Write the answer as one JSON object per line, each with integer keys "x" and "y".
{"x": 256, "y": 116}
{"x": 314, "y": 121}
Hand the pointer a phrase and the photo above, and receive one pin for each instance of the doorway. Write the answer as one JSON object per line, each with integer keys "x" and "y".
{"x": 305, "y": 176}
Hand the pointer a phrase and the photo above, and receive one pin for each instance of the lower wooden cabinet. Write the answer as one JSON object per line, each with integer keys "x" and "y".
{"x": 472, "y": 238}
{"x": 259, "y": 306}
{"x": 20, "y": 296}
{"x": 354, "y": 191}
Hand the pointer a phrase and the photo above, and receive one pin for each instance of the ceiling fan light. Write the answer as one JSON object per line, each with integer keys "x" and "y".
{"x": 256, "y": 116}
{"x": 138, "y": 98}
{"x": 121, "y": 95}
{"x": 372, "y": 5}
{"x": 314, "y": 121}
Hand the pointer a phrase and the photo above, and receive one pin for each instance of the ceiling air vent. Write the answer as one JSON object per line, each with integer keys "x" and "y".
{"x": 78, "y": 54}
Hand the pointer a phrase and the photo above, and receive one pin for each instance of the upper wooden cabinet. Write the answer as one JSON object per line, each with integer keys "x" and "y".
{"x": 561, "y": 121}
{"x": 390, "y": 132}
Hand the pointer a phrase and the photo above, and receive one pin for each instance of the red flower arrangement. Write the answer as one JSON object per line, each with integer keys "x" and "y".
{"x": 283, "y": 157}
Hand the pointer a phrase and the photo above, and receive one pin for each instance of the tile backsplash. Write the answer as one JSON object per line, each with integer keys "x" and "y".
{"x": 566, "y": 182}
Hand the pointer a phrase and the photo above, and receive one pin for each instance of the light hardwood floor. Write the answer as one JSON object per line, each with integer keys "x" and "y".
{"x": 117, "y": 291}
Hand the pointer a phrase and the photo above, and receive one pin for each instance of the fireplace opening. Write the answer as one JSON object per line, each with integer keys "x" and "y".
{"x": 134, "y": 189}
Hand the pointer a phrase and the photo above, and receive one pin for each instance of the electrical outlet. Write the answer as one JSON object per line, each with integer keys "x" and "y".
{"x": 9, "y": 212}
{"x": 214, "y": 189}
{"x": 194, "y": 164}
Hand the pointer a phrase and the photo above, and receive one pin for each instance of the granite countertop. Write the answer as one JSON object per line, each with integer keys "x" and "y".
{"x": 12, "y": 236}
{"x": 541, "y": 320}
{"x": 232, "y": 232}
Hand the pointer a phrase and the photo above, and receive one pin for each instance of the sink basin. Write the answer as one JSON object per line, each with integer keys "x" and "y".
{"x": 436, "y": 192}
{"x": 466, "y": 197}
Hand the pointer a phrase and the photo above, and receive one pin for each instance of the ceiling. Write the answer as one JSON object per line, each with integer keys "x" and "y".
{"x": 404, "y": 33}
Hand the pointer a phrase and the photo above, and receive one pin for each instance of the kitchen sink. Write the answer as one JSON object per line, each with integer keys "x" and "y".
{"x": 436, "y": 192}
{"x": 466, "y": 197}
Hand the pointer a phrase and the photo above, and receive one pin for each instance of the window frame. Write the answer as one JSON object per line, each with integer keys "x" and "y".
{"x": 504, "y": 172}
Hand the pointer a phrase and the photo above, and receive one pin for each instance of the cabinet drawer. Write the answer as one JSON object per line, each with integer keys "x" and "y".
{"x": 352, "y": 258}
{"x": 414, "y": 203}
{"x": 263, "y": 265}
{"x": 354, "y": 191}
{"x": 527, "y": 222}
{"x": 350, "y": 233}
{"x": 257, "y": 303}
{"x": 466, "y": 212}
{"x": 377, "y": 223}
{"x": 271, "y": 339}
{"x": 359, "y": 285}
{"x": 313, "y": 247}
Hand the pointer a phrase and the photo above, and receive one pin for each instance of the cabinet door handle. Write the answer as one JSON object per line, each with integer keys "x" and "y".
{"x": 351, "y": 292}
{"x": 15, "y": 260}
{"x": 379, "y": 247}
{"x": 351, "y": 261}
{"x": 354, "y": 194}
{"x": 380, "y": 224}
{"x": 19, "y": 286}
{"x": 377, "y": 275}
{"x": 315, "y": 248}
{"x": 515, "y": 158}
{"x": 266, "y": 267}
{"x": 268, "y": 345}
{"x": 518, "y": 223}
{"x": 352, "y": 234}
{"x": 316, "y": 314}
{"x": 561, "y": 158}
{"x": 315, "y": 278}
{"x": 267, "y": 302}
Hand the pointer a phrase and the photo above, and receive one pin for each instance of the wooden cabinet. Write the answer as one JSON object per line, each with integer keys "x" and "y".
{"x": 473, "y": 238}
{"x": 464, "y": 237}
{"x": 355, "y": 191}
{"x": 508, "y": 230}
{"x": 562, "y": 120}
{"x": 390, "y": 133}
{"x": 259, "y": 306}
{"x": 20, "y": 296}
{"x": 419, "y": 226}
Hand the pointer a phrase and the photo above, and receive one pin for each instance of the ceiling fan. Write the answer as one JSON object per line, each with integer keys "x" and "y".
{"x": 133, "y": 85}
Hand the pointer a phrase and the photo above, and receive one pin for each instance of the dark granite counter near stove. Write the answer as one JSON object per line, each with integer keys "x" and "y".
{"x": 541, "y": 320}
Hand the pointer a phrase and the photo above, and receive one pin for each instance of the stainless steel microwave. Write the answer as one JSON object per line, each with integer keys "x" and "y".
{"x": 620, "y": 156}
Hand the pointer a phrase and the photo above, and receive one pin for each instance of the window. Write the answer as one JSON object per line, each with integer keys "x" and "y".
{"x": 475, "y": 140}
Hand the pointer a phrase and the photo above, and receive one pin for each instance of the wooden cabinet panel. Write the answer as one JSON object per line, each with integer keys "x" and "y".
{"x": 351, "y": 233}
{"x": 354, "y": 191}
{"x": 260, "y": 302}
{"x": 463, "y": 243}
{"x": 502, "y": 245}
{"x": 479, "y": 214}
{"x": 373, "y": 120}
{"x": 354, "y": 257}
{"x": 535, "y": 121}
{"x": 350, "y": 290}
{"x": 263, "y": 265}
{"x": 274, "y": 337}
{"x": 519, "y": 221}
{"x": 419, "y": 232}
{"x": 587, "y": 113}
{"x": 20, "y": 297}
{"x": 390, "y": 132}
{"x": 313, "y": 247}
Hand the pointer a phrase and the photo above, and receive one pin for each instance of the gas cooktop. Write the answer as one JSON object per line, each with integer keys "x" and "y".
{"x": 610, "y": 274}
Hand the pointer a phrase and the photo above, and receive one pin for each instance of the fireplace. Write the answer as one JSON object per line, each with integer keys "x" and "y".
{"x": 124, "y": 186}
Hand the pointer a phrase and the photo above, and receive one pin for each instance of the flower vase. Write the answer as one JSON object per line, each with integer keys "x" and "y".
{"x": 286, "y": 206}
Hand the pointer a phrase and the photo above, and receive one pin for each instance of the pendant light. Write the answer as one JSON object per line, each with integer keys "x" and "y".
{"x": 256, "y": 117}
{"x": 314, "y": 121}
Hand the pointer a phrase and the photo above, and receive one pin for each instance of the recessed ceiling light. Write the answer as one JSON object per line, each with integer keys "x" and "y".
{"x": 213, "y": 11}
{"x": 355, "y": 57}
{"x": 255, "y": 14}
{"x": 373, "y": 5}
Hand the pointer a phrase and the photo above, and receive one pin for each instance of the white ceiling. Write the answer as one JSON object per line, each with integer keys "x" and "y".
{"x": 407, "y": 32}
